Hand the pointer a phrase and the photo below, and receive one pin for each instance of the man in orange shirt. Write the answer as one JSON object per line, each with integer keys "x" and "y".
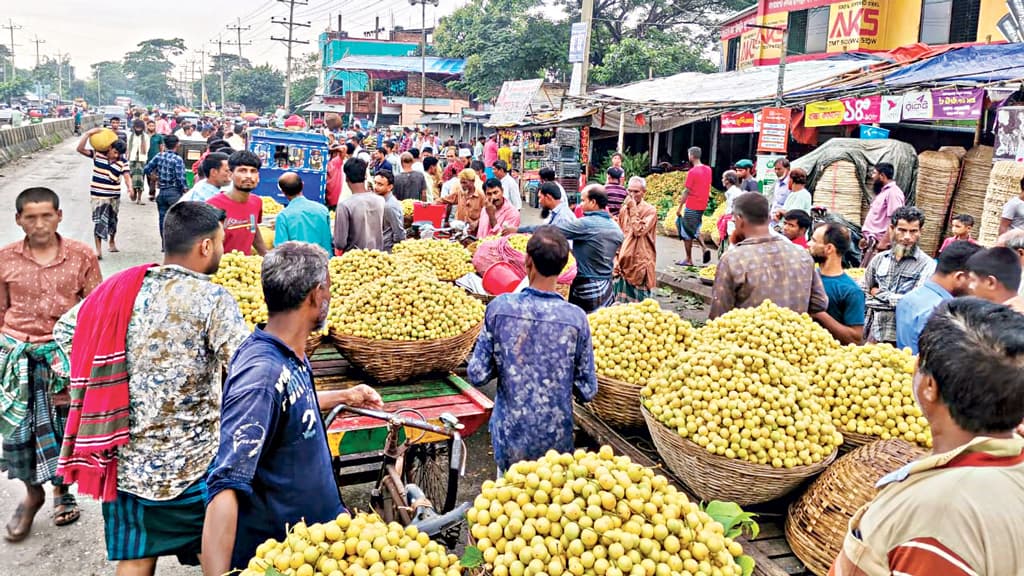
{"x": 41, "y": 277}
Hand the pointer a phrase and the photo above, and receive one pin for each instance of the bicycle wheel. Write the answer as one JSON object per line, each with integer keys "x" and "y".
{"x": 429, "y": 466}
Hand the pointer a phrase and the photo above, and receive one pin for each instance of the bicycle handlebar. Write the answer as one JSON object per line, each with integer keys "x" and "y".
{"x": 391, "y": 418}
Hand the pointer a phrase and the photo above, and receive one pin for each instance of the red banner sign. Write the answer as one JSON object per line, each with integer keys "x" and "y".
{"x": 774, "y": 135}
{"x": 740, "y": 123}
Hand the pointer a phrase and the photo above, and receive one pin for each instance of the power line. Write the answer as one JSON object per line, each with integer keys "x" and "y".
{"x": 37, "y": 41}
{"x": 291, "y": 24}
{"x": 238, "y": 29}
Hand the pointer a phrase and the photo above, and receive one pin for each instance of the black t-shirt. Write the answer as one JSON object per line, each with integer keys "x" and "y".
{"x": 409, "y": 186}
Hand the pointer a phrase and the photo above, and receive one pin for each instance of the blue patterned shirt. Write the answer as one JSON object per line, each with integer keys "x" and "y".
{"x": 538, "y": 346}
{"x": 170, "y": 170}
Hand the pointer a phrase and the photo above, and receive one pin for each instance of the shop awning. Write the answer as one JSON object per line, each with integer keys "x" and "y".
{"x": 970, "y": 64}
{"x": 402, "y": 64}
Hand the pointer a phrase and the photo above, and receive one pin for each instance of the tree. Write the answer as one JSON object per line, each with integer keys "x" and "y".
{"x": 501, "y": 41}
{"x": 256, "y": 88}
{"x": 305, "y": 78}
{"x": 227, "y": 62}
{"x": 303, "y": 89}
{"x": 149, "y": 67}
{"x": 108, "y": 80}
{"x": 16, "y": 88}
{"x": 635, "y": 59}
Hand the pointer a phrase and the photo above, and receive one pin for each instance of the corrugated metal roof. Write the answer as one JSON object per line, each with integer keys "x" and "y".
{"x": 434, "y": 65}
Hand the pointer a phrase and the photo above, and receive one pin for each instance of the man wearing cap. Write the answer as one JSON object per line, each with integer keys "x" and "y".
{"x": 748, "y": 183}
{"x": 614, "y": 189}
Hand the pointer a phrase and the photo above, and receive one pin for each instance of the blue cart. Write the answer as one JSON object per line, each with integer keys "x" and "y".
{"x": 282, "y": 151}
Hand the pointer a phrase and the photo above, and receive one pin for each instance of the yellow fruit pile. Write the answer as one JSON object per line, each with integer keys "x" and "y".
{"x": 708, "y": 272}
{"x": 869, "y": 390}
{"x": 271, "y": 206}
{"x": 407, "y": 207}
{"x": 774, "y": 330}
{"x": 356, "y": 268}
{"x": 856, "y": 273}
{"x": 407, "y": 306}
{"x": 709, "y": 225}
{"x": 240, "y": 275}
{"x": 587, "y": 513}
{"x": 449, "y": 260}
{"x": 354, "y": 546}
{"x": 743, "y": 404}
{"x": 631, "y": 341}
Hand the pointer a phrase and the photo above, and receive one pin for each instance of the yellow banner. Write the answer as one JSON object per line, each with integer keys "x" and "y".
{"x": 826, "y": 113}
{"x": 854, "y": 24}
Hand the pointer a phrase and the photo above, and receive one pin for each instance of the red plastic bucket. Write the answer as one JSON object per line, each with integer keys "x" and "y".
{"x": 501, "y": 278}
{"x": 433, "y": 213}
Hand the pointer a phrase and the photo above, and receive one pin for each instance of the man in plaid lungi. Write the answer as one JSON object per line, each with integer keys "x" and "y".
{"x": 41, "y": 277}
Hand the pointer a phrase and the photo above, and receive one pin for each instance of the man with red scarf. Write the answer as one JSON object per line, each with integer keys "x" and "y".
{"x": 147, "y": 351}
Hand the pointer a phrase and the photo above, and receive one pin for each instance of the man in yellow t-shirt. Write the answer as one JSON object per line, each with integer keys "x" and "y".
{"x": 956, "y": 512}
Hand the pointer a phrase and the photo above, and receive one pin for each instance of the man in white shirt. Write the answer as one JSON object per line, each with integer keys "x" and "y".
{"x": 548, "y": 175}
{"x": 508, "y": 184}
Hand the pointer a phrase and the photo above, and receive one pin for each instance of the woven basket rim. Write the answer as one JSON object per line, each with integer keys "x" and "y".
{"x": 339, "y": 336}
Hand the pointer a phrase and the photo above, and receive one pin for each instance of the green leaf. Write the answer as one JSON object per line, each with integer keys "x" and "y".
{"x": 471, "y": 558}
{"x": 747, "y": 564}
{"x": 733, "y": 519}
{"x": 271, "y": 571}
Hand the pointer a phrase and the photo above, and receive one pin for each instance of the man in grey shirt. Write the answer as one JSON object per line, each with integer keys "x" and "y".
{"x": 360, "y": 217}
{"x": 748, "y": 183}
{"x": 394, "y": 219}
{"x": 410, "y": 184}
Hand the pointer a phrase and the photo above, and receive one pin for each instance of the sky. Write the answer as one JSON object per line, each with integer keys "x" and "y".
{"x": 96, "y": 31}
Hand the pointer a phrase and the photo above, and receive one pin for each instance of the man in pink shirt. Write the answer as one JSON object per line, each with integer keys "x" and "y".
{"x": 163, "y": 126}
{"x": 498, "y": 213}
{"x": 888, "y": 199}
{"x": 491, "y": 151}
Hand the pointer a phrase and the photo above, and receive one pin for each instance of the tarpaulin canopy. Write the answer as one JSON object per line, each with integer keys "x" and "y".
{"x": 982, "y": 64}
{"x": 737, "y": 86}
{"x": 402, "y": 64}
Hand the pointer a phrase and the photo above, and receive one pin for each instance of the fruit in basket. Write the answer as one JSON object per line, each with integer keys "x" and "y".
{"x": 407, "y": 306}
{"x": 595, "y": 513}
{"x": 271, "y": 206}
{"x": 240, "y": 276}
{"x": 407, "y": 207}
{"x": 356, "y": 268}
{"x": 357, "y": 545}
{"x": 709, "y": 225}
{"x": 856, "y": 273}
{"x": 743, "y": 404}
{"x": 869, "y": 390}
{"x": 774, "y": 330}
{"x": 449, "y": 260}
{"x": 631, "y": 341}
{"x": 708, "y": 272}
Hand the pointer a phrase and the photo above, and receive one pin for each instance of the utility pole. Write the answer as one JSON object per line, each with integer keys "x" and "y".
{"x": 779, "y": 87}
{"x": 202, "y": 77}
{"x": 220, "y": 69}
{"x": 423, "y": 51}
{"x": 191, "y": 68}
{"x": 37, "y": 41}
{"x": 11, "y": 26}
{"x": 60, "y": 77}
{"x": 238, "y": 29}
{"x": 581, "y": 68}
{"x": 291, "y": 24}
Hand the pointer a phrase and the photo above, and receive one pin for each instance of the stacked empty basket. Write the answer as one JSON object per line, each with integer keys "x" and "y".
{"x": 839, "y": 190}
{"x": 817, "y": 523}
{"x": 936, "y": 181}
{"x": 1004, "y": 184}
{"x": 969, "y": 197}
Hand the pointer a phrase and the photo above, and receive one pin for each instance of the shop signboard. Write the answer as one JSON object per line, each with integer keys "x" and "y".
{"x": 847, "y": 111}
{"x": 854, "y": 25}
{"x": 774, "y": 136}
{"x": 873, "y": 132}
{"x": 892, "y": 109}
{"x": 766, "y": 177}
{"x": 577, "y": 42}
{"x": 943, "y": 105}
{"x": 741, "y": 122}
{"x": 1009, "y": 144}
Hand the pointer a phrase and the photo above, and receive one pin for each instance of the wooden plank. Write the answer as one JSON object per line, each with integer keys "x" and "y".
{"x": 791, "y": 564}
{"x": 771, "y": 529}
{"x": 603, "y": 434}
{"x": 774, "y": 547}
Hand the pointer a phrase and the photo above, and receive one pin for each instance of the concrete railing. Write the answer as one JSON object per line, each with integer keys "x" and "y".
{"x": 17, "y": 142}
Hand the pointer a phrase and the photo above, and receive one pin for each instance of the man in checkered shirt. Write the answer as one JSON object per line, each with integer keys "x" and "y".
{"x": 892, "y": 274}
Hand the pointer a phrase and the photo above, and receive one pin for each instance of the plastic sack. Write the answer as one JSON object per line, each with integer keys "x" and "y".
{"x": 490, "y": 252}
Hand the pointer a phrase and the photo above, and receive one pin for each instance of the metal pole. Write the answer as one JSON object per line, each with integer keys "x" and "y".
{"x": 423, "y": 58}
{"x": 782, "y": 68}
{"x": 622, "y": 128}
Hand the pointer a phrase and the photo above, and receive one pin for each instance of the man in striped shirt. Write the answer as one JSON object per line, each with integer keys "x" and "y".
{"x": 958, "y": 511}
{"x": 108, "y": 170}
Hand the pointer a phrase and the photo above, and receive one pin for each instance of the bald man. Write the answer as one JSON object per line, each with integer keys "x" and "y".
{"x": 302, "y": 219}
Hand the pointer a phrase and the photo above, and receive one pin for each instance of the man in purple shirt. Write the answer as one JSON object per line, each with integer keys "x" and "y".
{"x": 615, "y": 190}
{"x": 888, "y": 199}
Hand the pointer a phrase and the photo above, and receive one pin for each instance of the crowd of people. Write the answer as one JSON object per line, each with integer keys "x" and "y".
{"x": 99, "y": 377}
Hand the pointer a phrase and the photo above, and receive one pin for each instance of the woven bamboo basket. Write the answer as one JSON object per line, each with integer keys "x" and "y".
{"x": 713, "y": 477}
{"x": 854, "y": 440}
{"x": 392, "y": 361}
{"x": 839, "y": 190}
{"x": 818, "y": 521}
{"x": 562, "y": 289}
{"x": 958, "y": 151}
{"x": 969, "y": 197}
{"x": 617, "y": 403}
{"x": 1003, "y": 185}
{"x": 313, "y": 342}
{"x": 936, "y": 180}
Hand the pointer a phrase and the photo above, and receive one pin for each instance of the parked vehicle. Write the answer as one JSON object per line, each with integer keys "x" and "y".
{"x": 113, "y": 112}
